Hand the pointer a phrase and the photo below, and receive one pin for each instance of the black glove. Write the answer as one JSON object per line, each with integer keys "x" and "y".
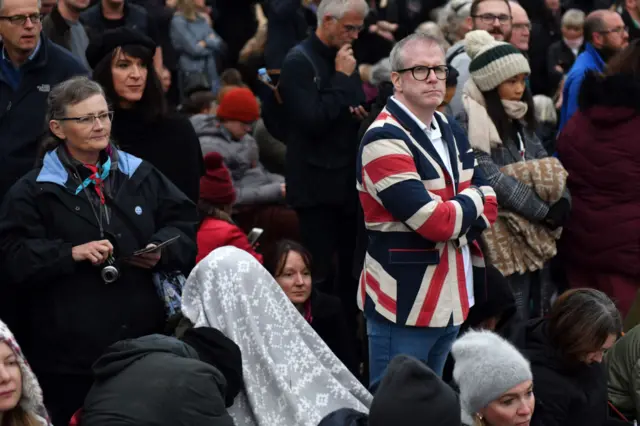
{"x": 558, "y": 214}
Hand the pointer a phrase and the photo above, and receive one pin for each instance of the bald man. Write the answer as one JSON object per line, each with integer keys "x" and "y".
{"x": 520, "y": 27}
{"x": 605, "y": 34}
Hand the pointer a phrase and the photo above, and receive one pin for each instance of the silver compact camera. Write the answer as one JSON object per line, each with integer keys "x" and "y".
{"x": 110, "y": 272}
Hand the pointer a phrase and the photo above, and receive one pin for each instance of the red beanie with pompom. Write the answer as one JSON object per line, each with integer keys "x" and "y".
{"x": 216, "y": 186}
{"x": 238, "y": 104}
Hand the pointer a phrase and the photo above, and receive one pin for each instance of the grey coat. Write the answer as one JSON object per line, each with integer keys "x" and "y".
{"x": 512, "y": 194}
{"x": 185, "y": 37}
{"x": 253, "y": 184}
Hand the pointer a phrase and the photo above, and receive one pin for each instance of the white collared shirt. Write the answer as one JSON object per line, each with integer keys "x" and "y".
{"x": 432, "y": 130}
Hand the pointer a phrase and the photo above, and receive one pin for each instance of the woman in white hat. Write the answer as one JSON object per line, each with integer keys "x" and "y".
{"x": 495, "y": 380}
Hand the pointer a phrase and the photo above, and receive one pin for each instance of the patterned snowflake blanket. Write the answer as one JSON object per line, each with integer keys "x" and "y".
{"x": 291, "y": 376}
{"x": 515, "y": 245}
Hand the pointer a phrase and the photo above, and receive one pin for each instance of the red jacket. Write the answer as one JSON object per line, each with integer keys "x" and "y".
{"x": 215, "y": 233}
{"x": 600, "y": 148}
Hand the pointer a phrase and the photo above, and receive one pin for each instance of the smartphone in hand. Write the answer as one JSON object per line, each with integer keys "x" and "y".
{"x": 254, "y": 235}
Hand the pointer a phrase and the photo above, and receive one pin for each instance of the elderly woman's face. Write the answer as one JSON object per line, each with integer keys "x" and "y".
{"x": 10, "y": 379}
{"x": 512, "y": 408}
{"x": 129, "y": 77}
{"x": 86, "y": 126}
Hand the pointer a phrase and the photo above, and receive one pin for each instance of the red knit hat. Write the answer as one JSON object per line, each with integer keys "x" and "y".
{"x": 239, "y": 104}
{"x": 216, "y": 186}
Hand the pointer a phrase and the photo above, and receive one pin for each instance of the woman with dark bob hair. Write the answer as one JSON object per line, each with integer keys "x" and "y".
{"x": 566, "y": 352}
{"x": 290, "y": 264}
{"x": 122, "y": 61}
{"x": 70, "y": 232}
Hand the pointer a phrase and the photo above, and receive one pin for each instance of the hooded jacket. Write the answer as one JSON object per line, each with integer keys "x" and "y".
{"x": 566, "y": 394}
{"x": 600, "y": 148}
{"x": 155, "y": 381}
{"x": 31, "y": 400}
{"x": 253, "y": 184}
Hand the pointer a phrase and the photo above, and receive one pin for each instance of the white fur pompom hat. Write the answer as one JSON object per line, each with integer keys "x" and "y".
{"x": 31, "y": 401}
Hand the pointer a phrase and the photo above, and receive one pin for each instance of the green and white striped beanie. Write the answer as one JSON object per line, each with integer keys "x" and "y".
{"x": 492, "y": 61}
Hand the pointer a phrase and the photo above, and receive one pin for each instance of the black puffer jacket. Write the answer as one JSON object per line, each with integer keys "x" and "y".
{"x": 566, "y": 394}
{"x": 155, "y": 381}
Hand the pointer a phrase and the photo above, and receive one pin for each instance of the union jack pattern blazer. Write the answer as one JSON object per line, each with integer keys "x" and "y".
{"x": 418, "y": 217}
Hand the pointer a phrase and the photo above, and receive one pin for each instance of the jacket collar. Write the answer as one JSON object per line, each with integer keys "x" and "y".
{"x": 125, "y": 10}
{"x": 423, "y": 140}
{"x": 58, "y": 20}
{"x": 595, "y": 55}
{"x": 324, "y": 50}
{"x": 54, "y": 171}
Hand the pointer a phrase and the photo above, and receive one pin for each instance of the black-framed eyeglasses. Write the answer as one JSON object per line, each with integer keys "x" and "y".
{"x": 90, "y": 120}
{"x": 617, "y": 30}
{"x": 422, "y": 72}
{"x": 20, "y": 20}
{"x": 490, "y": 18}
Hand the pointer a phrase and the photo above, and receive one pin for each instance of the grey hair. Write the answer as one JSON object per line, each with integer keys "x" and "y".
{"x": 397, "y": 53}
{"x": 2, "y": 4}
{"x": 573, "y": 18}
{"x": 63, "y": 95}
{"x": 545, "y": 109}
{"x": 339, "y": 8}
{"x": 454, "y": 14}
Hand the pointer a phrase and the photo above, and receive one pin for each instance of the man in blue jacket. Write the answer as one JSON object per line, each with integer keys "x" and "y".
{"x": 606, "y": 35}
{"x": 30, "y": 65}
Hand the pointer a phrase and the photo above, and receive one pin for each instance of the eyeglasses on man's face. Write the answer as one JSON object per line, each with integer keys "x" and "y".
{"x": 350, "y": 28}
{"x": 90, "y": 120}
{"x": 490, "y": 18}
{"x": 20, "y": 20}
{"x": 616, "y": 30}
{"x": 422, "y": 72}
{"x": 522, "y": 26}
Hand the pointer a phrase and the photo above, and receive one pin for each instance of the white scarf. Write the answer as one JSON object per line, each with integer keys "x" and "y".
{"x": 482, "y": 133}
{"x": 291, "y": 376}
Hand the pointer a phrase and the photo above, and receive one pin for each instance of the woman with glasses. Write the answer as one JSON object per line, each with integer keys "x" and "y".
{"x": 500, "y": 118}
{"x": 69, "y": 233}
{"x": 122, "y": 62}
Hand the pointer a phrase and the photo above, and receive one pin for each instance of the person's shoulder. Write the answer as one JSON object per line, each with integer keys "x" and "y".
{"x": 325, "y": 305}
{"x": 60, "y": 58}
{"x": 137, "y": 9}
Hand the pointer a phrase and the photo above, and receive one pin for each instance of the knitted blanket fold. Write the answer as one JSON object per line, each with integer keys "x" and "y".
{"x": 291, "y": 377}
{"x": 514, "y": 244}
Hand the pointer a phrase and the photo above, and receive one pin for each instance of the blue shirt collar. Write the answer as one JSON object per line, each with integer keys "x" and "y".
{"x": 5, "y": 56}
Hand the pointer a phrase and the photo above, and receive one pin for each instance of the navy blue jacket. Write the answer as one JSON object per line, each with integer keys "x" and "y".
{"x": 22, "y": 112}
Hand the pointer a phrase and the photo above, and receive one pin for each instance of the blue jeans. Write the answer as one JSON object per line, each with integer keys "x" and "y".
{"x": 386, "y": 340}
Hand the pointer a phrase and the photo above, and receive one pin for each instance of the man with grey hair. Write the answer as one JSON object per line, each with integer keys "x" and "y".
{"x": 520, "y": 27}
{"x": 605, "y": 34}
{"x": 30, "y": 65}
{"x": 322, "y": 95}
{"x": 425, "y": 201}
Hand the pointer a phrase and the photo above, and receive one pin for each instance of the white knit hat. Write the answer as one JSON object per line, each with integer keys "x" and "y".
{"x": 486, "y": 367}
{"x": 31, "y": 400}
{"x": 493, "y": 62}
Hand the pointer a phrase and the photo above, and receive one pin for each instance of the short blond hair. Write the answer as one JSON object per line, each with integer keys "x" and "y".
{"x": 573, "y": 18}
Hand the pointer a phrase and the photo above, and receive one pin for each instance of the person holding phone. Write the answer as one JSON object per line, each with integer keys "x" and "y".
{"x": 217, "y": 196}
{"x": 87, "y": 206}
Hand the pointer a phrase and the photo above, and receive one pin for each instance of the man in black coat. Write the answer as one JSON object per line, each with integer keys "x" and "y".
{"x": 322, "y": 95}
{"x": 161, "y": 381}
{"x": 30, "y": 65}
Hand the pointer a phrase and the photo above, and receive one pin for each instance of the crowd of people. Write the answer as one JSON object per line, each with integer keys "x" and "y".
{"x": 319, "y": 212}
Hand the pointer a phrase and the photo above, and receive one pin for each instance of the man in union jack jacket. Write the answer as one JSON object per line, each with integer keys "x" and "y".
{"x": 425, "y": 202}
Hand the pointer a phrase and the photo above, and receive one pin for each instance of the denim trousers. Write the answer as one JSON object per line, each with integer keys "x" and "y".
{"x": 386, "y": 340}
